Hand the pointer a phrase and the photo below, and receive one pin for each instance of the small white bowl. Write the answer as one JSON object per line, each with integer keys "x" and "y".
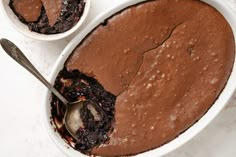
{"x": 22, "y": 28}
{"x": 184, "y": 137}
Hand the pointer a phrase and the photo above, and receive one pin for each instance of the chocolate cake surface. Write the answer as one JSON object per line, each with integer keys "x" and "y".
{"x": 165, "y": 61}
{"x": 53, "y": 10}
{"x": 28, "y": 9}
{"x": 54, "y": 16}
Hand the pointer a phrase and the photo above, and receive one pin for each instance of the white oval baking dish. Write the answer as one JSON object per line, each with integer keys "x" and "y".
{"x": 184, "y": 137}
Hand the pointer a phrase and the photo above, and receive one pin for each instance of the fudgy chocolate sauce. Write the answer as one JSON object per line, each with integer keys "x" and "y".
{"x": 95, "y": 129}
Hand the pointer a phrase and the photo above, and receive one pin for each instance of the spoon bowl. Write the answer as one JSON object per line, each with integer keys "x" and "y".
{"x": 72, "y": 119}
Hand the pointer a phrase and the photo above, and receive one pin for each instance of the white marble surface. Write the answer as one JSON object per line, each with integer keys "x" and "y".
{"x": 22, "y": 133}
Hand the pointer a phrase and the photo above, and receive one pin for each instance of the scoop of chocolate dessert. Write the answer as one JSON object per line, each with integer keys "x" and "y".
{"x": 48, "y": 16}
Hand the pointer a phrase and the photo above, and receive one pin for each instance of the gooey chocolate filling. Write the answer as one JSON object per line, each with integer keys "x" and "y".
{"x": 96, "y": 128}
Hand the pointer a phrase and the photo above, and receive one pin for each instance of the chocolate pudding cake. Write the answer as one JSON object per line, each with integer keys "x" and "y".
{"x": 149, "y": 73}
{"x": 47, "y": 16}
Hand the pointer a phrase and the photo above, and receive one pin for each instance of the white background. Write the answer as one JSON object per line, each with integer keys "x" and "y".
{"x": 22, "y": 132}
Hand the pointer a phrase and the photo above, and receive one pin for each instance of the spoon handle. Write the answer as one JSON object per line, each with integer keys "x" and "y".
{"x": 14, "y": 52}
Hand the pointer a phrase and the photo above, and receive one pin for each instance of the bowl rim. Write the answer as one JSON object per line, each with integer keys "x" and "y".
{"x": 23, "y": 29}
{"x": 183, "y": 138}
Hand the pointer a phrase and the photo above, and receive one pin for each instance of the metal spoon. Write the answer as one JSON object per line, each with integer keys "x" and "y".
{"x": 72, "y": 119}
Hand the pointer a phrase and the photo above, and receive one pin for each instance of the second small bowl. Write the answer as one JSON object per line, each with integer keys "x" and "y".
{"x": 23, "y": 28}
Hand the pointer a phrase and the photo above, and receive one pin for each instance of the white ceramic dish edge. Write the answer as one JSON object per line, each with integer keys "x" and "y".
{"x": 22, "y": 28}
{"x": 184, "y": 137}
